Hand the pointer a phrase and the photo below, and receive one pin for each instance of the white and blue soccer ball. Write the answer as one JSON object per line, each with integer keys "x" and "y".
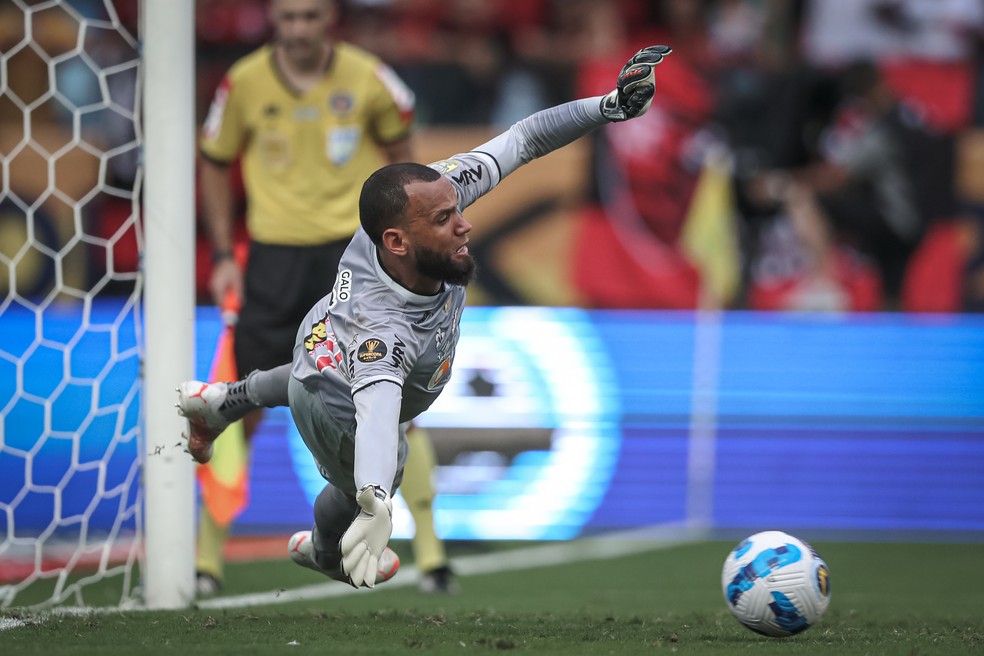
{"x": 776, "y": 584}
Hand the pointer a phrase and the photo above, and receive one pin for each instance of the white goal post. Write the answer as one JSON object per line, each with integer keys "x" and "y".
{"x": 94, "y": 477}
{"x": 169, "y": 225}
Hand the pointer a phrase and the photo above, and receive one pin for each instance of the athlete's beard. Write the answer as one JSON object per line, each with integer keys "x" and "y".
{"x": 438, "y": 266}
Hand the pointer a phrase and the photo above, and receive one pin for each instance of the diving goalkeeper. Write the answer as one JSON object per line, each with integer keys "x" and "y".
{"x": 379, "y": 348}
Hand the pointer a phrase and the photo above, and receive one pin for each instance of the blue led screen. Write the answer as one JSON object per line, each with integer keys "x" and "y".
{"x": 620, "y": 419}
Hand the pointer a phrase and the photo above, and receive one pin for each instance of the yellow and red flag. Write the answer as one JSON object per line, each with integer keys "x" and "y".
{"x": 224, "y": 480}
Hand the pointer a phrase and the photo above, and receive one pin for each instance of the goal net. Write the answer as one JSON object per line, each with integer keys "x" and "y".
{"x": 72, "y": 445}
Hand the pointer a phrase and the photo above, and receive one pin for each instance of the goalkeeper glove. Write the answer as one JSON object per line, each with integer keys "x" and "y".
{"x": 364, "y": 541}
{"x": 636, "y": 85}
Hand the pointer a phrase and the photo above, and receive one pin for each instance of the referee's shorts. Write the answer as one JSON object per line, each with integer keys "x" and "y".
{"x": 281, "y": 284}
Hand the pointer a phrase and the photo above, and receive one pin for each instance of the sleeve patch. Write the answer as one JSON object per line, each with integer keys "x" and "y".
{"x": 445, "y": 166}
{"x": 371, "y": 350}
{"x": 213, "y": 122}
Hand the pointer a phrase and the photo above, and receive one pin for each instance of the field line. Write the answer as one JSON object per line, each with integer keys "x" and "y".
{"x": 603, "y": 547}
{"x": 611, "y": 545}
{"x": 10, "y": 623}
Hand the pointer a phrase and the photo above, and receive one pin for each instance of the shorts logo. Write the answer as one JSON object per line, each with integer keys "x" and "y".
{"x": 371, "y": 350}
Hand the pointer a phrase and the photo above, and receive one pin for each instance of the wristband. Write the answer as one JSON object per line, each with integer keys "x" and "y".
{"x": 218, "y": 256}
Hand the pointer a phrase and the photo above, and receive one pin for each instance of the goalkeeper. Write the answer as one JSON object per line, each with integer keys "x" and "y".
{"x": 274, "y": 108}
{"x": 378, "y": 350}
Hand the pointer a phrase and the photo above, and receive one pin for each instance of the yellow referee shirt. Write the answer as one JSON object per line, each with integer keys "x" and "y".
{"x": 305, "y": 156}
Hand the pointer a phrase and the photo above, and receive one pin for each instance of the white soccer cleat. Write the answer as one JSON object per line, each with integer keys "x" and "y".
{"x": 301, "y": 550}
{"x": 200, "y": 403}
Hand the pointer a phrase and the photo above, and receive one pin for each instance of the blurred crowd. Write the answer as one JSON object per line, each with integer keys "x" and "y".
{"x": 800, "y": 154}
{"x": 836, "y": 123}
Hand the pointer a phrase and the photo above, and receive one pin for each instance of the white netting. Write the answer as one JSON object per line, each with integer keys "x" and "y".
{"x": 70, "y": 330}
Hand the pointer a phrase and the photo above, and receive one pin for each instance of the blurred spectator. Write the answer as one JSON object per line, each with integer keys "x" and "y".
{"x": 801, "y": 267}
{"x": 632, "y": 250}
{"x": 770, "y": 78}
{"x": 946, "y": 273}
{"x": 925, "y": 47}
{"x": 457, "y": 56}
{"x": 225, "y": 31}
{"x": 882, "y": 177}
{"x": 239, "y": 24}
{"x": 973, "y": 241}
{"x": 736, "y": 28}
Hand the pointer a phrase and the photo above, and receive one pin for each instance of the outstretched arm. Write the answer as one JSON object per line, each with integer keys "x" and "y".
{"x": 554, "y": 128}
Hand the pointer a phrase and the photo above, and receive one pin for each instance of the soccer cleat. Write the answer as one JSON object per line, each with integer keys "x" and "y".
{"x": 438, "y": 581}
{"x": 301, "y": 550}
{"x": 200, "y": 403}
{"x": 206, "y": 585}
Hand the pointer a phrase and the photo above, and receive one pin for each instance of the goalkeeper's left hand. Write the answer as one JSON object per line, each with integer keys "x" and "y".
{"x": 364, "y": 541}
{"x": 636, "y": 85}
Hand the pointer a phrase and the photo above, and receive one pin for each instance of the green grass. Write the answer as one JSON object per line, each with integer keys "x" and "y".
{"x": 906, "y": 599}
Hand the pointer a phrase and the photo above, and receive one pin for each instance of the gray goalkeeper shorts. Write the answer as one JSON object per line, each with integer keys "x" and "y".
{"x": 332, "y": 443}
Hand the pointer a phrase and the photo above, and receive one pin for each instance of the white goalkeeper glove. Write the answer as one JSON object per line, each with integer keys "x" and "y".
{"x": 365, "y": 539}
{"x": 636, "y": 85}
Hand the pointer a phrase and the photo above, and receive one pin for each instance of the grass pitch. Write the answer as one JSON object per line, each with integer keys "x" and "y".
{"x": 906, "y": 599}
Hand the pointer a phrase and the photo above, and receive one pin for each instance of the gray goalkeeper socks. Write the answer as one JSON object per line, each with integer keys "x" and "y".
{"x": 259, "y": 389}
{"x": 269, "y": 388}
{"x": 237, "y": 403}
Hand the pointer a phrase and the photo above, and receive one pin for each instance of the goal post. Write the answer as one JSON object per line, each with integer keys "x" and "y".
{"x": 169, "y": 265}
{"x": 97, "y": 218}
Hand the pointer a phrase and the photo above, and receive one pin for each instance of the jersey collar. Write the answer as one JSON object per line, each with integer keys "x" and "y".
{"x": 410, "y": 297}
{"x": 278, "y": 72}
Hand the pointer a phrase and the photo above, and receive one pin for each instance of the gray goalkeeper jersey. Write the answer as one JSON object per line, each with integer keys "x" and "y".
{"x": 370, "y": 328}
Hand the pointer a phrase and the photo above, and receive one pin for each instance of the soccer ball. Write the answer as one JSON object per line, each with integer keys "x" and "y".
{"x": 776, "y": 584}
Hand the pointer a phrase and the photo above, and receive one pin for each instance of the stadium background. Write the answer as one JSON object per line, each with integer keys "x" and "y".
{"x": 564, "y": 234}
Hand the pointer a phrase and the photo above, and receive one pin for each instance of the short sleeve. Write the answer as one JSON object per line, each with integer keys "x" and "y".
{"x": 391, "y": 107}
{"x": 381, "y": 355}
{"x": 224, "y": 131}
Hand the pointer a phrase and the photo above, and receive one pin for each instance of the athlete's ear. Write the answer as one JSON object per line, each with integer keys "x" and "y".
{"x": 395, "y": 241}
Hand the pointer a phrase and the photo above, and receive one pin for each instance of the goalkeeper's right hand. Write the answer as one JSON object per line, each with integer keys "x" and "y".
{"x": 364, "y": 541}
{"x": 636, "y": 85}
